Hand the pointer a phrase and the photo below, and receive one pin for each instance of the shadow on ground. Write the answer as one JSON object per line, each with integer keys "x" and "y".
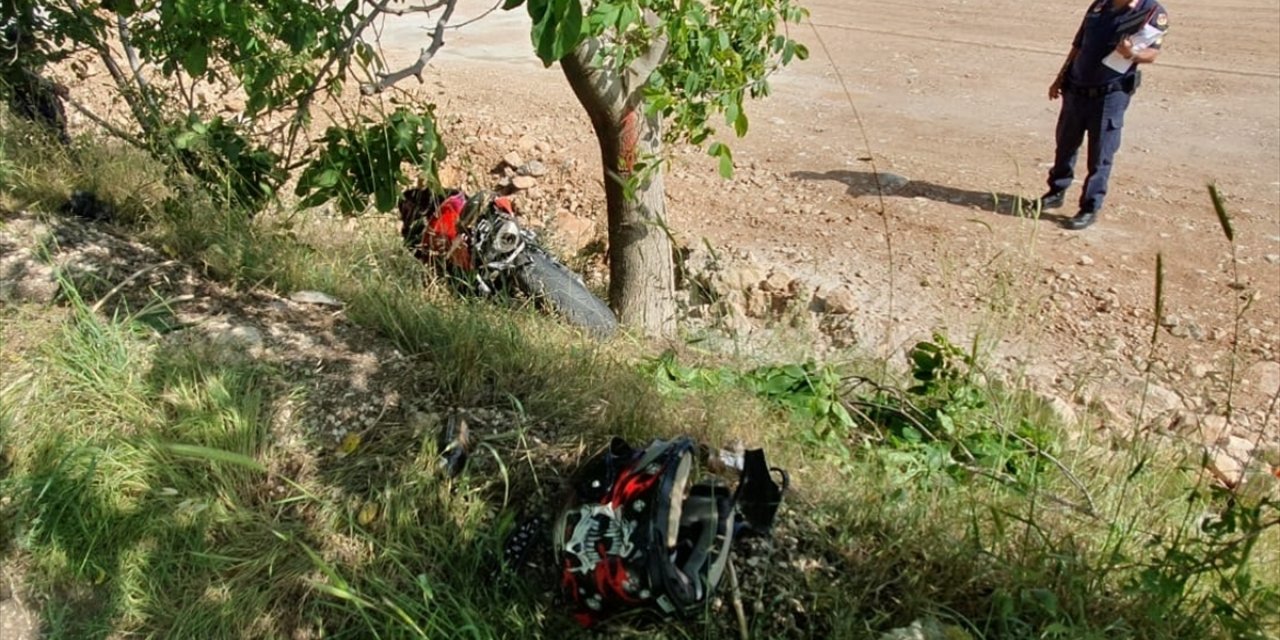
{"x": 863, "y": 183}
{"x": 302, "y": 439}
{"x": 304, "y": 497}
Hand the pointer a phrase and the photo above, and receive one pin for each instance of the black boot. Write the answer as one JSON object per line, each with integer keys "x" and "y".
{"x": 1052, "y": 200}
{"x": 1081, "y": 221}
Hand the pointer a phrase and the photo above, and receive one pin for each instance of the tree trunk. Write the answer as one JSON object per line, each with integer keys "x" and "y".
{"x": 641, "y": 270}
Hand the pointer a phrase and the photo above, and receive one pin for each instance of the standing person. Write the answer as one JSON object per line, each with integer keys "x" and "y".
{"x": 1096, "y": 83}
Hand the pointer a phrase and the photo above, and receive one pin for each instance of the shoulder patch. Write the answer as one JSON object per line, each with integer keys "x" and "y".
{"x": 1162, "y": 19}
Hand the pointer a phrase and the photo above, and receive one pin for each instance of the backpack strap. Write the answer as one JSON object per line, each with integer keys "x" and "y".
{"x": 709, "y": 512}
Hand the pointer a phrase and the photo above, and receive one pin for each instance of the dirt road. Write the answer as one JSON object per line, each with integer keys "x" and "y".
{"x": 952, "y": 98}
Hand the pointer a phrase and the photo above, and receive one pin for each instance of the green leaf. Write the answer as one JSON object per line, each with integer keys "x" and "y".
{"x": 842, "y": 415}
{"x": 937, "y": 455}
{"x": 721, "y": 151}
{"x": 821, "y": 406}
{"x": 185, "y": 139}
{"x": 557, "y": 28}
{"x": 365, "y": 53}
{"x": 605, "y": 15}
{"x": 357, "y": 165}
{"x": 776, "y": 385}
{"x": 327, "y": 179}
{"x": 511, "y": 4}
{"x": 946, "y": 422}
{"x": 726, "y": 165}
{"x": 195, "y": 59}
{"x": 629, "y": 15}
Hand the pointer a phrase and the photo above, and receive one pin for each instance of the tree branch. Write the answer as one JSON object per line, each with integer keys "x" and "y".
{"x": 126, "y": 42}
{"x": 188, "y": 94}
{"x": 304, "y": 101}
{"x": 599, "y": 91}
{"x": 427, "y": 8}
{"x": 613, "y": 90}
{"x": 1061, "y": 467}
{"x": 100, "y": 121}
{"x": 364, "y": 23}
{"x": 482, "y": 16}
{"x": 1085, "y": 510}
{"x": 637, "y": 73}
{"x": 113, "y": 68}
{"x": 387, "y": 80}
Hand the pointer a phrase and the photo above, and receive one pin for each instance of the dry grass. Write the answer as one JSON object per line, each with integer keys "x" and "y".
{"x": 168, "y": 488}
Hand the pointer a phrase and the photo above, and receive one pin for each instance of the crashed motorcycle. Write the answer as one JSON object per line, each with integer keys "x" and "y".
{"x": 478, "y": 241}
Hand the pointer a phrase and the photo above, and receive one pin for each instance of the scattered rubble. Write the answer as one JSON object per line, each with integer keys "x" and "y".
{"x": 840, "y": 300}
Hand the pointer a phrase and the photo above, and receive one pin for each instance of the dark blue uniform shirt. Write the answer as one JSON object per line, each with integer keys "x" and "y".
{"x": 1103, "y": 28}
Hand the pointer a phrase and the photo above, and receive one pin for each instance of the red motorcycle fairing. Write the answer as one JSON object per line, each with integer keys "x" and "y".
{"x": 442, "y": 236}
{"x": 478, "y": 241}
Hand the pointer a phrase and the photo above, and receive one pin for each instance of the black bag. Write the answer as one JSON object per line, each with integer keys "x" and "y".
{"x": 642, "y": 531}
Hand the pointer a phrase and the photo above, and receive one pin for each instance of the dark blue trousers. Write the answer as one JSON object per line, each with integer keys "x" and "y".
{"x": 1101, "y": 117}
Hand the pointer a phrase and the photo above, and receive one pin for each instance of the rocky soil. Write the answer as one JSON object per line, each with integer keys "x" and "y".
{"x": 1067, "y": 331}
{"x": 828, "y": 241}
{"x": 351, "y": 390}
{"x": 348, "y": 389}
{"x": 876, "y": 200}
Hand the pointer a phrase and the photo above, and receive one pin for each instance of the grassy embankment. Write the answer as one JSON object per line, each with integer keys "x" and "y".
{"x": 154, "y": 485}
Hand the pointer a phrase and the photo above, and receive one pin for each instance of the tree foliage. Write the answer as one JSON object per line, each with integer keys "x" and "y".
{"x": 718, "y": 54}
{"x": 269, "y": 47}
{"x": 677, "y": 67}
{"x": 358, "y": 163}
{"x": 280, "y": 54}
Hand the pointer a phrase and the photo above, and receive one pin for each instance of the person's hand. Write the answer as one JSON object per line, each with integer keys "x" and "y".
{"x": 1125, "y": 48}
{"x": 1055, "y": 89}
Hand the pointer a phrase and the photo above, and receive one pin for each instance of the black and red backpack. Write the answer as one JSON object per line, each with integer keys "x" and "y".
{"x": 643, "y": 530}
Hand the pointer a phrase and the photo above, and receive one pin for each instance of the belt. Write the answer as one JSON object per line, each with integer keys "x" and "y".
{"x": 1094, "y": 92}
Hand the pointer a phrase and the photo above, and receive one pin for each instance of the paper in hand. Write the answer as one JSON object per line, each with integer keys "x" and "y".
{"x": 1140, "y": 40}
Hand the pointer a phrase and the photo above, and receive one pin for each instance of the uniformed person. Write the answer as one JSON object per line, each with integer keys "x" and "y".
{"x": 1096, "y": 83}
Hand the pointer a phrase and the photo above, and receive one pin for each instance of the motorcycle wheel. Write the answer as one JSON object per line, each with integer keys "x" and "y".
{"x": 554, "y": 285}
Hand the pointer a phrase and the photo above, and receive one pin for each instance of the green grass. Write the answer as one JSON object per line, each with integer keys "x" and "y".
{"x": 161, "y": 485}
{"x": 38, "y": 173}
